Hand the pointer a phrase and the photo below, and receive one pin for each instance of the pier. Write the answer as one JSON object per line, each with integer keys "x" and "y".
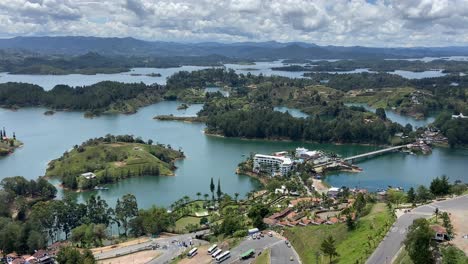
{"x": 374, "y": 153}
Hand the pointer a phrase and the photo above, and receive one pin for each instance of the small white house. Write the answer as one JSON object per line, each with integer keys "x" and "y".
{"x": 88, "y": 175}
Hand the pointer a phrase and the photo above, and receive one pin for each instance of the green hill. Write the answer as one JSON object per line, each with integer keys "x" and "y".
{"x": 110, "y": 159}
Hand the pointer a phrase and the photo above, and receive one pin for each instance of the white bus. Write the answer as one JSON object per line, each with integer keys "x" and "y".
{"x": 212, "y": 249}
{"x": 192, "y": 252}
{"x": 223, "y": 256}
{"x": 216, "y": 253}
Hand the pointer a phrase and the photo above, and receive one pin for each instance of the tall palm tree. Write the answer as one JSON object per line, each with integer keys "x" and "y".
{"x": 236, "y": 195}
{"x": 206, "y": 196}
{"x": 198, "y": 195}
{"x": 186, "y": 199}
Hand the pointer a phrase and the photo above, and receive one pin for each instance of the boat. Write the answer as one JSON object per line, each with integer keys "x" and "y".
{"x": 101, "y": 188}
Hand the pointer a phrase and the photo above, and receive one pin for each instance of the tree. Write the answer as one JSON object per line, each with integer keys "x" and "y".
{"x": 419, "y": 242}
{"x": 380, "y": 112}
{"x": 411, "y": 196}
{"x": 206, "y": 196}
{"x": 447, "y": 223}
{"x": 350, "y": 223}
{"x": 395, "y": 197}
{"x": 423, "y": 194}
{"x": 198, "y": 195}
{"x": 152, "y": 221}
{"x": 125, "y": 210}
{"x": 257, "y": 212}
{"x": 440, "y": 186}
{"x": 360, "y": 203}
{"x": 218, "y": 191}
{"x": 212, "y": 187}
{"x": 71, "y": 255}
{"x": 236, "y": 195}
{"x": 328, "y": 247}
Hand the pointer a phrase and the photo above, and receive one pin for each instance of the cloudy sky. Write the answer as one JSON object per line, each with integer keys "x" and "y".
{"x": 325, "y": 22}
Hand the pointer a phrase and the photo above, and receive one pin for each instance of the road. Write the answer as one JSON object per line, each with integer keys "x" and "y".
{"x": 391, "y": 244}
{"x": 173, "y": 249}
{"x": 280, "y": 252}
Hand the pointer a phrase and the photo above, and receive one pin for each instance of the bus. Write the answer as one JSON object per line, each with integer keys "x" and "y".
{"x": 223, "y": 256}
{"x": 249, "y": 253}
{"x": 212, "y": 249}
{"x": 216, "y": 253}
{"x": 192, "y": 252}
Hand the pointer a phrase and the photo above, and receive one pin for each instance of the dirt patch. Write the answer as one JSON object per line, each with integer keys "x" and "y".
{"x": 319, "y": 186}
{"x": 124, "y": 244}
{"x": 120, "y": 164}
{"x": 201, "y": 258}
{"x": 458, "y": 218}
{"x": 136, "y": 258}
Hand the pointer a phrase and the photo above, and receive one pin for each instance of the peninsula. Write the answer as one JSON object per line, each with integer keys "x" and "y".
{"x": 112, "y": 158}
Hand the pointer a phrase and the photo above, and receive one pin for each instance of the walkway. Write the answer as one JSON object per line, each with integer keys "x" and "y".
{"x": 380, "y": 151}
{"x": 388, "y": 249}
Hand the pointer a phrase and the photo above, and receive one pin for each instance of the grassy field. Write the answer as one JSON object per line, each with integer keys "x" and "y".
{"x": 113, "y": 161}
{"x": 184, "y": 221}
{"x": 264, "y": 258}
{"x": 352, "y": 246}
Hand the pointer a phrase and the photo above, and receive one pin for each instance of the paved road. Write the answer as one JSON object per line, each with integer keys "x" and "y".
{"x": 389, "y": 247}
{"x": 173, "y": 249}
{"x": 280, "y": 252}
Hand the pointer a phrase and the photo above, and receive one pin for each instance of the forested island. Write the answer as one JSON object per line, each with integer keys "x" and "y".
{"x": 94, "y": 63}
{"x": 112, "y": 158}
{"x": 377, "y": 65}
{"x": 249, "y": 110}
{"x": 102, "y": 97}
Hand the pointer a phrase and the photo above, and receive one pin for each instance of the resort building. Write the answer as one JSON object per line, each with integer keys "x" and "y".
{"x": 274, "y": 165}
{"x": 307, "y": 154}
{"x": 89, "y": 175}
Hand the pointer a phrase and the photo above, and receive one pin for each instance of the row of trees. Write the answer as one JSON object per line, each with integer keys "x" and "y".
{"x": 97, "y": 97}
{"x": 30, "y": 219}
{"x": 440, "y": 186}
{"x": 266, "y": 123}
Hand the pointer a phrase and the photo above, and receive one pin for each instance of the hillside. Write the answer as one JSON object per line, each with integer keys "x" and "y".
{"x": 247, "y": 50}
{"x": 111, "y": 159}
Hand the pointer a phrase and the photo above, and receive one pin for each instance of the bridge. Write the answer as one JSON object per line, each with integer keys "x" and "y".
{"x": 374, "y": 153}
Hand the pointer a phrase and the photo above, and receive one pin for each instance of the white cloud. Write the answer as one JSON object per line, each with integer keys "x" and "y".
{"x": 326, "y": 22}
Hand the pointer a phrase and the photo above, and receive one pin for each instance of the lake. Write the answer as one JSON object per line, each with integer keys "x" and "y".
{"x": 140, "y": 74}
{"x": 400, "y": 119}
{"x": 47, "y": 137}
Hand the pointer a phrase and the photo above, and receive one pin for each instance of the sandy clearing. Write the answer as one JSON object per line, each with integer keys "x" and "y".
{"x": 141, "y": 257}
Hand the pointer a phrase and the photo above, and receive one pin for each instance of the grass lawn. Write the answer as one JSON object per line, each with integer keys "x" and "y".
{"x": 403, "y": 258}
{"x": 351, "y": 245}
{"x": 184, "y": 221}
{"x": 264, "y": 258}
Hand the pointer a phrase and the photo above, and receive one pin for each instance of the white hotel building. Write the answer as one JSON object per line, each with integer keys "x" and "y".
{"x": 272, "y": 164}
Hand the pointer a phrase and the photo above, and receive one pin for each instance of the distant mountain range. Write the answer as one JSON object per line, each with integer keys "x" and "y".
{"x": 242, "y": 50}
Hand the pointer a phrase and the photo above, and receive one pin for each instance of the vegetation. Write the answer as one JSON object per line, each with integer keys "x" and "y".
{"x": 453, "y": 128}
{"x": 112, "y": 158}
{"x": 351, "y": 245}
{"x": 419, "y": 242}
{"x": 264, "y": 257}
{"x": 8, "y": 144}
{"x": 71, "y": 255}
{"x": 102, "y": 97}
{"x": 93, "y": 63}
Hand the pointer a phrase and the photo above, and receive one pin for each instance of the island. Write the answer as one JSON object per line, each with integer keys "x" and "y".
{"x": 8, "y": 144}
{"x": 105, "y": 97}
{"x": 112, "y": 158}
{"x": 171, "y": 117}
{"x": 182, "y": 107}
